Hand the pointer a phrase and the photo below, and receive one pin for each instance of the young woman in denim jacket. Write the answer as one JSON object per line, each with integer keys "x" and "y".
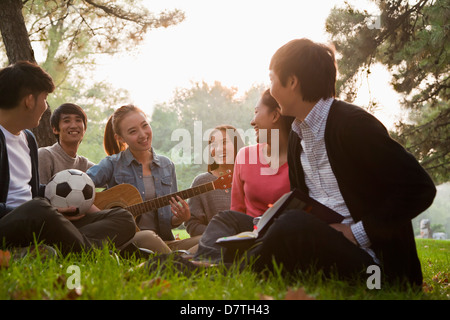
{"x": 132, "y": 160}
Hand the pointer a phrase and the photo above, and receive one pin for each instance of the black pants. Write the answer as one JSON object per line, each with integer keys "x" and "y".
{"x": 296, "y": 239}
{"x": 38, "y": 220}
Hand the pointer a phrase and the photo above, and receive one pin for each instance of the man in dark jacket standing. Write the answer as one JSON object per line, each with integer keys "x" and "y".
{"x": 344, "y": 158}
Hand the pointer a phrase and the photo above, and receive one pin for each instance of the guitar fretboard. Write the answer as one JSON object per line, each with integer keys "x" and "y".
{"x": 141, "y": 208}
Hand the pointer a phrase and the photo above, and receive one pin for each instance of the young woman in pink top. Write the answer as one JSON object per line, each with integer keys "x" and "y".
{"x": 261, "y": 171}
{"x": 260, "y": 177}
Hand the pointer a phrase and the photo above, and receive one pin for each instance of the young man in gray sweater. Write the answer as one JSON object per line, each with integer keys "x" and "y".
{"x": 69, "y": 124}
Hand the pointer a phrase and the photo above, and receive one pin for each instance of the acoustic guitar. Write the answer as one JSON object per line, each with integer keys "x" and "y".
{"x": 127, "y": 196}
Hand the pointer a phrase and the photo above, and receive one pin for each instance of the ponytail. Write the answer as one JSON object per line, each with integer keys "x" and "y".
{"x": 110, "y": 143}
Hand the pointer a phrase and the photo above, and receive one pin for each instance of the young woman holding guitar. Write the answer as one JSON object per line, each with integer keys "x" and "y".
{"x": 132, "y": 161}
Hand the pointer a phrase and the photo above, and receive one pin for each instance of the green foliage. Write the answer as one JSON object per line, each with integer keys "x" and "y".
{"x": 354, "y": 42}
{"x": 428, "y": 138}
{"x": 438, "y": 213}
{"x": 69, "y": 35}
{"x": 211, "y": 105}
{"x": 164, "y": 122}
{"x": 71, "y": 31}
{"x": 98, "y": 102}
{"x": 412, "y": 40}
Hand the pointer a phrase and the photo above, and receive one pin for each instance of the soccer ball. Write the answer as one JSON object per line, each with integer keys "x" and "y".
{"x": 71, "y": 188}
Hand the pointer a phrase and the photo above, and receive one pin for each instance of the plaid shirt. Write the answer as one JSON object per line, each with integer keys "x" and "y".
{"x": 319, "y": 176}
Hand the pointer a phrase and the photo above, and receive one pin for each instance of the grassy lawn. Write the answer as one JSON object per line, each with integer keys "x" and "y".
{"x": 103, "y": 276}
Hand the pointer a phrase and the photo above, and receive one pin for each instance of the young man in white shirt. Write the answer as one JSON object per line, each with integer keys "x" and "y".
{"x": 25, "y": 217}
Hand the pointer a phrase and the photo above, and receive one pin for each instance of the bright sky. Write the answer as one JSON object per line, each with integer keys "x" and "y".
{"x": 228, "y": 41}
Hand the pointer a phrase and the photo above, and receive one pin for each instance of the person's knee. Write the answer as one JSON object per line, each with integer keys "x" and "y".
{"x": 38, "y": 215}
{"x": 40, "y": 209}
{"x": 225, "y": 215}
{"x": 125, "y": 218}
{"x": 292, "y": 233}
{"x": 148, "y": 239}
{"x": 294, "y": 221}
{"x": 37, "y": 204}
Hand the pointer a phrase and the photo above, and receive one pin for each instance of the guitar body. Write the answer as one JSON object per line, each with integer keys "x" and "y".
{"x": 127, "y": 196}
{"x": 122, "y": 195}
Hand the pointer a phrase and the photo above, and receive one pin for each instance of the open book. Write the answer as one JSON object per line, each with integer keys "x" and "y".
{"x": 294, "y": 199}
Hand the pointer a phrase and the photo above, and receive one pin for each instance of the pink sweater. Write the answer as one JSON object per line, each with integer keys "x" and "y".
{"x": 255, "y": 186}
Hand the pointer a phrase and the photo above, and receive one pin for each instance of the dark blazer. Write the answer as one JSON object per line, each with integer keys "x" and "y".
{"x": 382, "y": 185}
{"x": 4, "y": 170}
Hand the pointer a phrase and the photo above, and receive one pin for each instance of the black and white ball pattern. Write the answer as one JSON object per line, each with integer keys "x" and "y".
{"x": 71, "y": 188}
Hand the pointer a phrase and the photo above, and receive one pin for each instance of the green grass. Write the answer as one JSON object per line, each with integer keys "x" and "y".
{"x": 106, "y": 277}
{"x": 435, "y": 260}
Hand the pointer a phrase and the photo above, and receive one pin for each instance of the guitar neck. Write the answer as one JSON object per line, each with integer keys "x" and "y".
{"x": 146, "y": 206}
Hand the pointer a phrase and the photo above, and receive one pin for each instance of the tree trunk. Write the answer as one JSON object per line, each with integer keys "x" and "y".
{"x": 18, "y": 48}
{"x": 14, "y": 32}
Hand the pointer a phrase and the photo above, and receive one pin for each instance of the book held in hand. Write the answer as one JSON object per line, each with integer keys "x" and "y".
{"x": 294, "y": 199}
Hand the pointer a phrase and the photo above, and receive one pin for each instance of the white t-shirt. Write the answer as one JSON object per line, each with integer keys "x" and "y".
{"x": 19, "y": 161}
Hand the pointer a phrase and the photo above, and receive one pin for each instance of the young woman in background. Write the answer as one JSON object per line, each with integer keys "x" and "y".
{"x": 224, "y": 143}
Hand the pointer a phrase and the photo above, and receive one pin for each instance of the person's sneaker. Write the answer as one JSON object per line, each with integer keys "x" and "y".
{"x": 184, "y": 254}
{"x": 132, "y": 250}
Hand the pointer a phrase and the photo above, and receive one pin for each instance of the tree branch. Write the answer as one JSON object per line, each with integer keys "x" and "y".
{"x": 118, "y": 12}
{"x": 399, "y": 21}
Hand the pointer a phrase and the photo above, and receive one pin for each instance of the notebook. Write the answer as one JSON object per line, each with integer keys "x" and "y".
{"x": 294, "y": 199}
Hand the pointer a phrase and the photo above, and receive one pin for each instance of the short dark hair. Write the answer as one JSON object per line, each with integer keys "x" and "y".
{"x": 66, "y": 108}
{"x": 21, "y": 79}
{"x": 313, "y": 64}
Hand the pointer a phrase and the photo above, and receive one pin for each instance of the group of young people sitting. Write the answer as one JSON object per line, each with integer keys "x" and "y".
{"x": 307, "y": 139}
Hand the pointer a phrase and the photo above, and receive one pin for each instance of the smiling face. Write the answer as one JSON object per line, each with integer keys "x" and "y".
{"x": 263, "y": 121}
{"x": 71, "y": 128}
{"x": 135, "y": 131}
{"x": 221, "y": 147}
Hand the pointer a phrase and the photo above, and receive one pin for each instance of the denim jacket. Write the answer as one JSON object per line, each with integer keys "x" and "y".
{"x": 123, "y": 168}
